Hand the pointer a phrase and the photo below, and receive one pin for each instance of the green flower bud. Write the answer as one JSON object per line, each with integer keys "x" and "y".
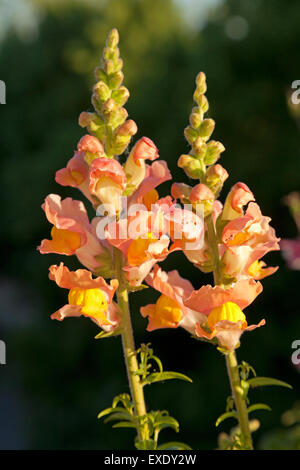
{"x": 201, "y": 83}
{"x": 100, "y": 74}
{"x": 206, "y": 128}
{"x": 112, "y": 38}
{"x": 102, "y": 91}
{"x": 108, "y": 66}
{"x": 190, "y": 134}
{"x": 118, "y": 117}
{"x": 121, "y": 95}
{"x": 199, "y": 147}
{"x": 191, "y": 166}
{"x": 115, "y": 80}
{"x": 213, "y": 151}
{"x": 111, "y": 54}
{"x": 109, "y": 107}
{"x": 195, "y": 120}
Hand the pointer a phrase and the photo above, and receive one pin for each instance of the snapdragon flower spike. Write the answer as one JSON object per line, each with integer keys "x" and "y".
{"x": 92, "y": 298}
{"x": 169, "y": 311}
{"x": 72, "y": 233}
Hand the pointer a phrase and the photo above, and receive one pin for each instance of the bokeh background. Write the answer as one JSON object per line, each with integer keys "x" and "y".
{"x": 57, "y": 377}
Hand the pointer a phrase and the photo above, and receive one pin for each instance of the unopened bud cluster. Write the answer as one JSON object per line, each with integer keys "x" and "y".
{"x": 109, "y": 121}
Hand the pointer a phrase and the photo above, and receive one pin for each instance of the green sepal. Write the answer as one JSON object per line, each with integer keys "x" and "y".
{"x": 174, "y": 446}
{"x": 262, "y": 381}
{"x": 259, "y": 406}
{"x": 108, "y": 334}
{"x": 222, "y": 417}
{"x": 166, "y": 375}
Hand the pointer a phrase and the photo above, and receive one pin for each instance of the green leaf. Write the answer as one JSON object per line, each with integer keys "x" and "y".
{"x": 259, "y": 406}
{"x": 174, "y": 446}
{"x": 229, "y": 414}
{"x": 107, "y": 411}
{"x": 115, "y": 416}
{"x": 163, "y": 422}
{"x": 261, "y": 381}
{"x": 124, "y": 424}
{"x": 167, "y": 375}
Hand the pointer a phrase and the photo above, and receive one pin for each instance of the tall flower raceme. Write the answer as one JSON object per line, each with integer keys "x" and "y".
{"x": 236, "y": 238}
{"x": 119, "y": 247}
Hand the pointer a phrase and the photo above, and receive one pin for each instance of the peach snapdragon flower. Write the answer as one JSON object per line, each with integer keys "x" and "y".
{"x": 89, "y": 297}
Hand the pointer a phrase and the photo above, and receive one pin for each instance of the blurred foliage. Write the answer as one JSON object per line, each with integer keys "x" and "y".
{"x": 288, "y": 438}
{"x": 62, "y": 375}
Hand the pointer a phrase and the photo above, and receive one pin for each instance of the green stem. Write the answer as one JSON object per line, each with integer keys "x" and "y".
{"x": 136, "y": 388}
{"x": 237, "y": 393}
{"x": 213, "y": 244}
{"x": 231, "y": 361}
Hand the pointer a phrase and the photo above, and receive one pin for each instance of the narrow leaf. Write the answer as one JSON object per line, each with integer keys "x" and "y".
{"x": 259, "y": 406}
{"x": 124, "y": 424}
{"x": 229, "y": 414}
{"x": 261, "y": 381}
{"x": 167, "y": 375}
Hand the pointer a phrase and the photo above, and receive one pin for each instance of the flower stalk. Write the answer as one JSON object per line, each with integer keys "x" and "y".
{"x": 136, "y": 388}
{"x": 240, "y": 403}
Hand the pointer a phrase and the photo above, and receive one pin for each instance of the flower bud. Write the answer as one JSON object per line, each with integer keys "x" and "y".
{"x": 109, "y": 107}
{"x": 201, "y": 83}
{"x": 213, "y": 151}
{"x": 207, "y": 128}
{"x": 85, "y": 118}
{"x": 191, "y": 166}
{"x": 102, "y": 91}
{"x": 113, "y": 38}
{"x": 190, "y": 134}
{"x": 195, "y": 120}
{"x": 120, "y": 96}
{"x": 201, "y": 194}
{"x": 111, "y": 54}
{"x": 199, "y": 147}
{"x": 216, "y": 175}
{"x": 118, "y": 117}
{"x": 100, "y": 74}
{"x": 116, "y": 79}
{"x": 128, "y": 128}
{"x": 108, "y": 66}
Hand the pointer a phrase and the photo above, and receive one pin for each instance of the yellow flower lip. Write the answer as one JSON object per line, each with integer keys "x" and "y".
{"x": 93, "y": 302}
{"x": 168, "y": 310}
{"x": 137, "y": 251}
{"x": 228, "y": 311}
{"x": 65, "y": 240}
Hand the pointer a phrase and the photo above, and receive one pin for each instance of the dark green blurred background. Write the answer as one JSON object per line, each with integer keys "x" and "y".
{"x": 57, "y": 377}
